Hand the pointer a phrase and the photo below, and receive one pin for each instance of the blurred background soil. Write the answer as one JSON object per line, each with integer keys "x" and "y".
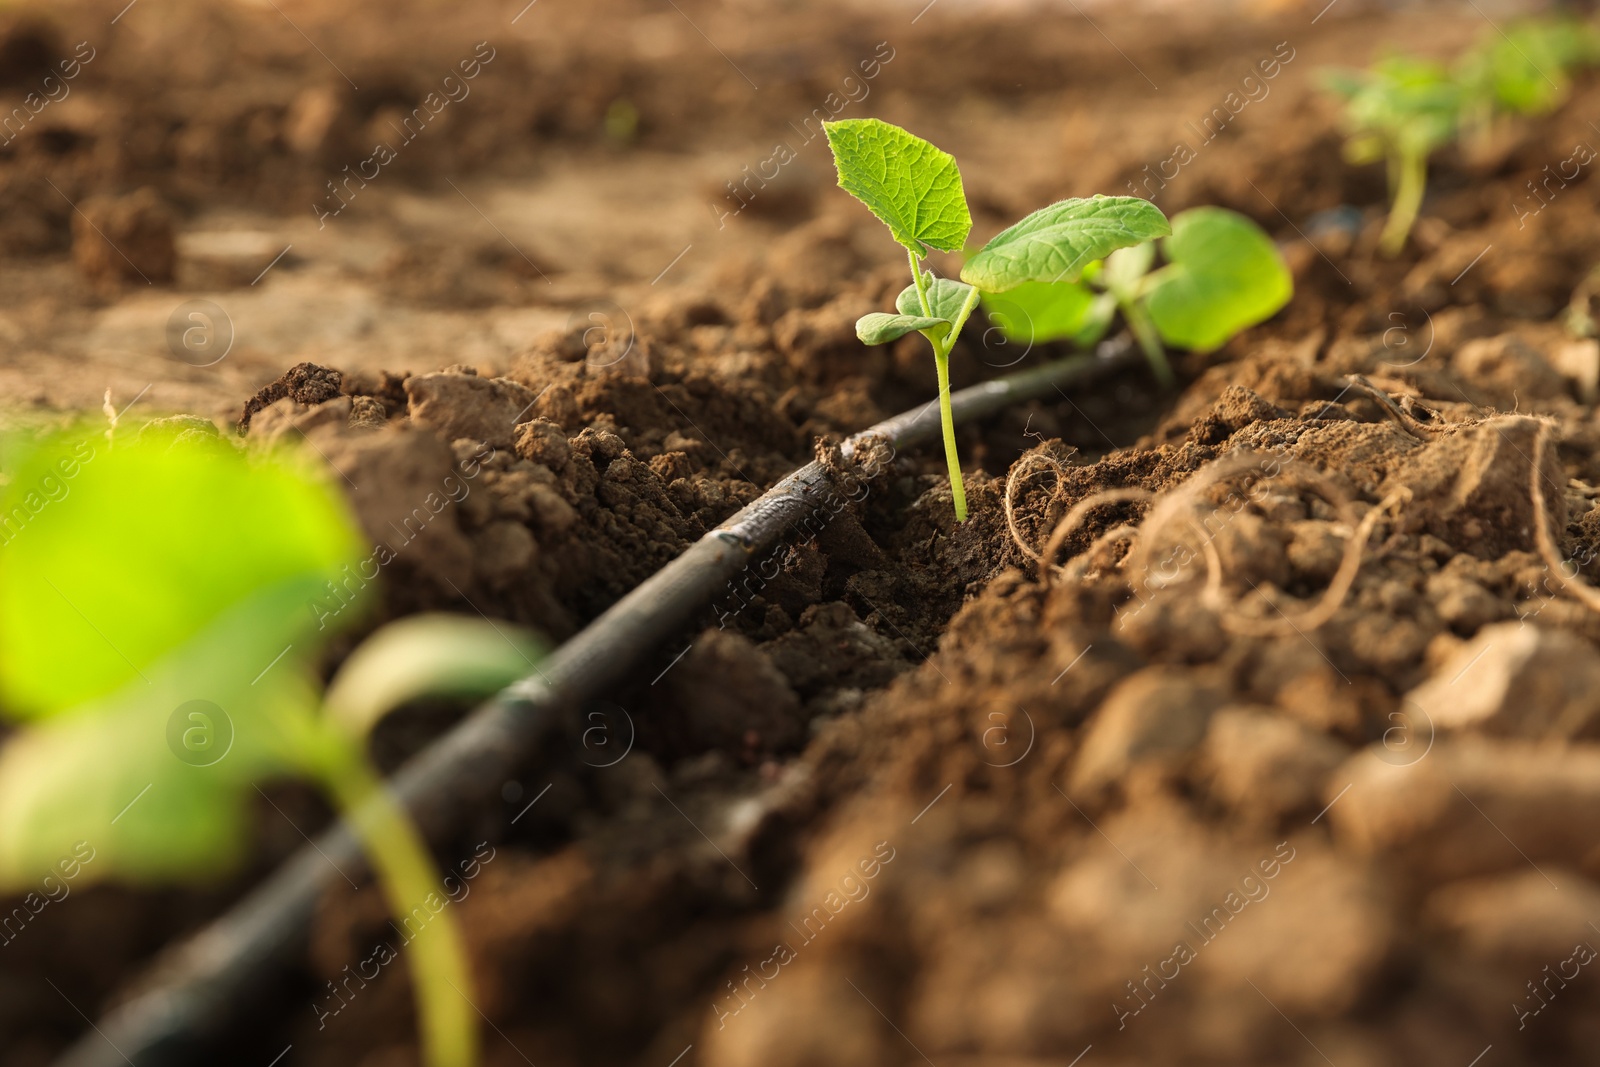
{"x": 908, "y": 803}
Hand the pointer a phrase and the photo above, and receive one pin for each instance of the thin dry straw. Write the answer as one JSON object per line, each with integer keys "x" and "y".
{"x": 1074, "y": 518}
{"x": 1025, "y": 468}
{"x": 1402, "y": 418}
{"x": 1020, "y": 472}
{"x": 1586, "y": 593}
{"x": 187, "y": 1004}
{"x": 1177, "y": 506}
{"x": 1332, "y": 598}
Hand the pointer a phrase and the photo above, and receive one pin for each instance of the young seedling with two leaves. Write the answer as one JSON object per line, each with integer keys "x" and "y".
{"x": 915, "y": 189}
{"x": 1222, "y": 274}
{"x": 158, "y": 648}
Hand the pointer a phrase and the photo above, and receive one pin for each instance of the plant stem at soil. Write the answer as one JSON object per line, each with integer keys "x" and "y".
{"x": 1407, "y": 202}
{"x": 406, "y": 872}
{"x": 957, "y": 490}
{"x": 941, "y": 359}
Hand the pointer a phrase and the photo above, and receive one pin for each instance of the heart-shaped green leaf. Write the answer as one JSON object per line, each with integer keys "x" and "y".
{"x": 1223, "y": 274}
{"x": 115, "y": 557}
{"x": 1055, "y": 244}
{"x": 1035, "y": 312}
{"x": 905, "y": 181}
{"x": 157, "y": 613}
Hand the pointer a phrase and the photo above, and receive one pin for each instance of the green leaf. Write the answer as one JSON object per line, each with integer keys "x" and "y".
{"x": 427, "y": 655}
{"x": 156, "y": 777}
{"x": 1224, "y": 274}
{"x": 1125, "y": 269}
{"x": 1525, "y": 70}
{"x": 114, "y": 558}
{"x": 1097, "y": 322}
{"x": 156, "y": 623}
{"x": 1036, "y": 312}
{"x": 879, "y": 328}
{"x": 905, "y": 181}
{"x": 946, "y": 298}
{"x": 1056, "y": 243}
{"x": 1408, "y": 104}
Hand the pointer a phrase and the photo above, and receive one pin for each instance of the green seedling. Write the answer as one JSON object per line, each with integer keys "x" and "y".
{"x": 1401, "y": 111}
{"x": 1222, "y": 274}
{"x": 1526, "y": 70}
{"x": 159, "y": 646}
{"x": 1404, "y": 109}
{"x": 915, "y": 189}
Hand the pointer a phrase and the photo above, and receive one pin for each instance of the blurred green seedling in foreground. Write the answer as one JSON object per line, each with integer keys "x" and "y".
{"x": 1222, "y": 274}
{"x": 915, "y": 189}
{"x": 158, "y": 647}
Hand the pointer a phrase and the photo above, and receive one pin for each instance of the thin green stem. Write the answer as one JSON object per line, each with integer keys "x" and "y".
{"x": 958, "y": 491}
{"x": 961, "y": 318}
{"x": 1407, "y": 203}
{"x": 941, "y": 359}
{"x": 410, "y": 882}
{"x": 1144, "y": 331}
{"x": 920, "y": 283}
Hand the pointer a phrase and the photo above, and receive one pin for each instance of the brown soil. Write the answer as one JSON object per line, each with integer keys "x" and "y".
{"x": 907, "y": 794}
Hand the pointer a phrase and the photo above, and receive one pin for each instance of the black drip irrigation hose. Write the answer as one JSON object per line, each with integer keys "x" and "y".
{"x": 183, "y": 1006}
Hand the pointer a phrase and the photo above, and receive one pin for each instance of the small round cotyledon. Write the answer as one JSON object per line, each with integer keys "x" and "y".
{"x": 199, "y": 733}
{"x": 199, "y": 333}
{"x": 606, "y": 329}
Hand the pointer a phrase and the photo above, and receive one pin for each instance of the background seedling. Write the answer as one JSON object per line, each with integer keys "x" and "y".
{"x": 1223, "y": 274}
{"x": 1403, "y": 109}
{"x": 1527, "y": 70}
{"x": 915, "y": 189}
{"x": 158, "y": 639}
